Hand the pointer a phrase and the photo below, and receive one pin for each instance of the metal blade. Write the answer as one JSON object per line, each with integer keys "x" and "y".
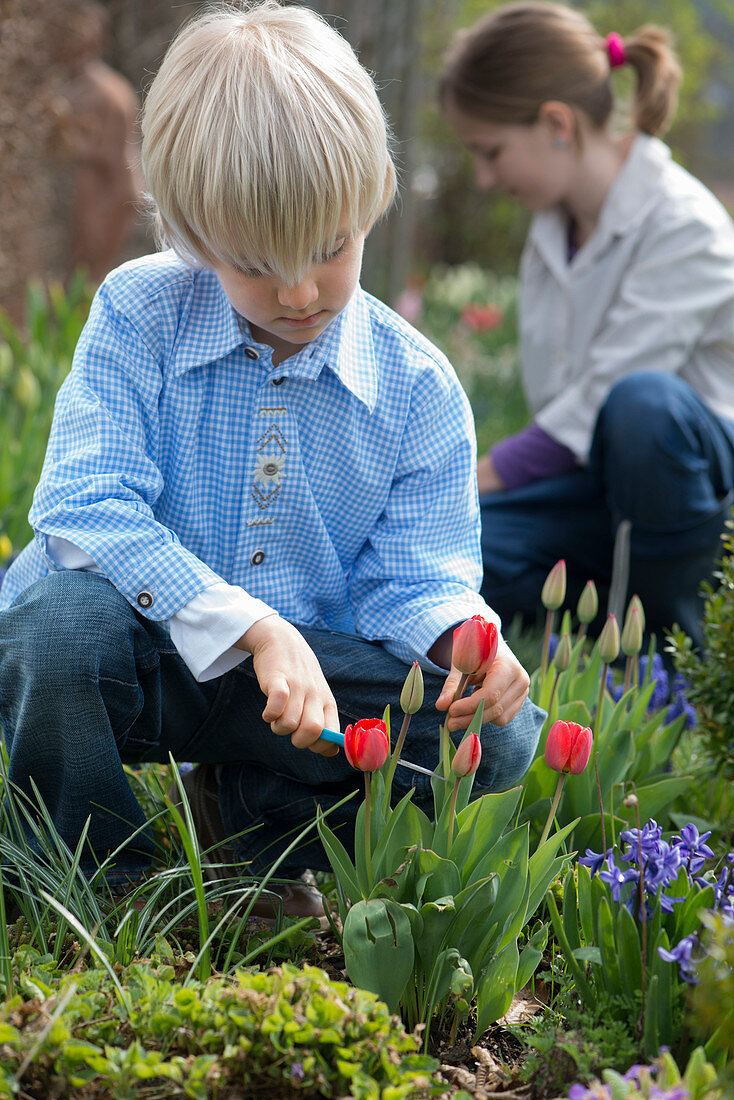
{"x": 337, "y": 738}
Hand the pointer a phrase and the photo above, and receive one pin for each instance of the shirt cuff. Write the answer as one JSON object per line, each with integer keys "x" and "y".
{"x": 529, "y": 456}
{"x": 205, "y": 629}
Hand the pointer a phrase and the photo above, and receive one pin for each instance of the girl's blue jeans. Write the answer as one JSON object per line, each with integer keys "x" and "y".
{"x": 659, "y": 458}
{"x": 87, "y": 685}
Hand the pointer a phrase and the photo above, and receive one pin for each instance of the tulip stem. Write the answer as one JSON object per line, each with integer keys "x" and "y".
{"x": 452, "y": 811}
{"x": 601, "y": 805}
{"x": 554, "y": 807}
{"x": 628, "y": 673}
{"x": 546, "y": 642}
{"x": 460, "y": 687}
{"x": 599, "y": 709}
{"x": 553, "y": 690}
{"x": 368, "y": 826}
{"x": 581, "y": 631}
{"x": 394, "y": 760}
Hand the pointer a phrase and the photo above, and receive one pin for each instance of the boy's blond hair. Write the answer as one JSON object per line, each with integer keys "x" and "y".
{"x": 263, "y": 141}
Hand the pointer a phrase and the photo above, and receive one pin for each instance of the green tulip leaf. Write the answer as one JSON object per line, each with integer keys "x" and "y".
{"x": 441, "y": 876}
{"x": 344, "y": 870}
{"x": 650, "y": 1039}
{"x": 378, "y": 949}
{"x": 497, "y": 987}
{"x": 627, "y": 938}
{"x": 480, "y": 826}
{"x": 543, "y": 867}
{"x": 607, "y": 946}
{"x": 530, "y": 957}
{"x": 436, "y": 921}
{"x": 502, "y": 855}
{"x": 571, "y": 912}
{"x": 402, "y": 831}
{"x": 653, "y": 798}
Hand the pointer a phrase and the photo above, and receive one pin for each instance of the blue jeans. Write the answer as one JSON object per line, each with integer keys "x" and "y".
{"x": 87, "y": 685}
{"x": 659, "y": 458}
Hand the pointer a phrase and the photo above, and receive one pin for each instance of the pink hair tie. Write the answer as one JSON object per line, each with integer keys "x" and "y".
{"x": 615, "y": 50}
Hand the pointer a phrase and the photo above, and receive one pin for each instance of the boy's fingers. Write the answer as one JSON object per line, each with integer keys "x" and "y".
{"x": 278, "y": 694}
{"x": 447, "y": 691}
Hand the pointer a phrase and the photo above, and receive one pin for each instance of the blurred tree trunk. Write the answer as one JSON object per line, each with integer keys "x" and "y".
{"x": 386, "y": 36}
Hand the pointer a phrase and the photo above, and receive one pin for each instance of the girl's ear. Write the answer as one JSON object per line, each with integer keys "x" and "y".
{"x": 560, "y": 121}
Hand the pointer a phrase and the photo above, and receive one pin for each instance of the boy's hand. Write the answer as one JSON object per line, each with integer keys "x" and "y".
{"x": 488, "y": 480}
{"x": 504, "y": 688}
{"x": 300, "y": 703}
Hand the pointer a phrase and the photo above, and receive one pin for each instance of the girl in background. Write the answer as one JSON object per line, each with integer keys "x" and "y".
{"x": 626, "y": 315}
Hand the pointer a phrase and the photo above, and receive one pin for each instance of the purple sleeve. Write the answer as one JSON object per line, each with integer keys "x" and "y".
{"x": 530, "y": 455}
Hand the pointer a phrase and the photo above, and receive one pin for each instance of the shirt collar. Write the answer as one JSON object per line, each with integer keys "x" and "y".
{"x": 626, "y": 204}
{"x": 212, "y": 329}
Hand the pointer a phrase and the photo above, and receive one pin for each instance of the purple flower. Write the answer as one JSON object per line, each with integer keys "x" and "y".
{"x": 659, "y": 676}
{"x": 682, "y": 954}
{"x": 616, "y": 877}
{"x": 594, "y": 1092}
{"x": 592, "y": 860}
{"x": 693, "y": 848}
{"x": 297, "y": 1070}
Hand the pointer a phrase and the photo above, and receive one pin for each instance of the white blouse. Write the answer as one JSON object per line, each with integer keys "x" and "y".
{"x": 651, "y": 289}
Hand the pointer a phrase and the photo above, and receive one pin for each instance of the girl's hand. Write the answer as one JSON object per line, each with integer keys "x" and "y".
{"x": 488, "y": 480}
{"x": 299, "y": 700}
{"x": 504, "y": 689}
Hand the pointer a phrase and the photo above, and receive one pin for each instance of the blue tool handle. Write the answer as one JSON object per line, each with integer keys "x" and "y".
{"x": 333, "y": 736}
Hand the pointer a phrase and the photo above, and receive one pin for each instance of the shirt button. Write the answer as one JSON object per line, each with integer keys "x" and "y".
{"x": 144, "y": 599}
{"x": 257, "y": 557}
{"x": 278, "y": 381}
{"x": 251, "y": 353}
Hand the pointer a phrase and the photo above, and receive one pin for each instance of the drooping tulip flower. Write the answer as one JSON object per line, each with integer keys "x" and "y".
{"x": 568, "y": 747}
{"x": 467, "y": 757}
{"x": 474, "y": 646}
{"x": 366, "y": 744}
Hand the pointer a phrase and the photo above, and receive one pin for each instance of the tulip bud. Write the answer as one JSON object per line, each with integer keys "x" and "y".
{"x": 635, "y": 601}
{"x": 632, "y": 632}
{"x": 588, "y": 604}
{"x": 554, "y": 589}
{"x": 467, "y": 756}
{"x": 568, "y": 747}
{"x": 366, "y": 744}
{"x": 411, "y": 697}
{"x": 563, "y": 654}
{"x": 474, "y": 646}
{"x": 609, "y": 641}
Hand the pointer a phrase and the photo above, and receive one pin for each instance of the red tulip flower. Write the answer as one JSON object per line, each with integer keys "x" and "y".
{"x": 481, "y": 318}
{"x": 366, "y": 744}
{"x": 568, "y": 747}
{"x": 475, "y": 646}
{"x": 467, "y": 757}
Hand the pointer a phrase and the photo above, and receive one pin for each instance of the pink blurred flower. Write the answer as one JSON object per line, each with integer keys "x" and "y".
{"x": 481, "y": 318}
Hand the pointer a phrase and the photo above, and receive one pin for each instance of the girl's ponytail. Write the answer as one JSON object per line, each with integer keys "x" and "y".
{"x": 649, "y": 51}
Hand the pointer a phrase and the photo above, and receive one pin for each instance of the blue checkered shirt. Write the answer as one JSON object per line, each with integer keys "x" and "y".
{"x": 339, "y": 487}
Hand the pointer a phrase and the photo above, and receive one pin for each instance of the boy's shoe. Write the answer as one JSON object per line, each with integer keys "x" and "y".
{"x": 222, "y": 861}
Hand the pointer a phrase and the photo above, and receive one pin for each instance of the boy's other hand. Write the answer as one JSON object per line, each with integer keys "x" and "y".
{"x": 488, "y": 480}
{"x": 504, "y": 689}
{"x": 300, "y": 703}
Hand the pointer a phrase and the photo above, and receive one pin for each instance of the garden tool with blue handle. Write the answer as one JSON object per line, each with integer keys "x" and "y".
{"x": 337, "y": 738}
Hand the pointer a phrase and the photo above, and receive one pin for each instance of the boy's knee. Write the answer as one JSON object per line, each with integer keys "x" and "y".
{"x": 63, "y": 623}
